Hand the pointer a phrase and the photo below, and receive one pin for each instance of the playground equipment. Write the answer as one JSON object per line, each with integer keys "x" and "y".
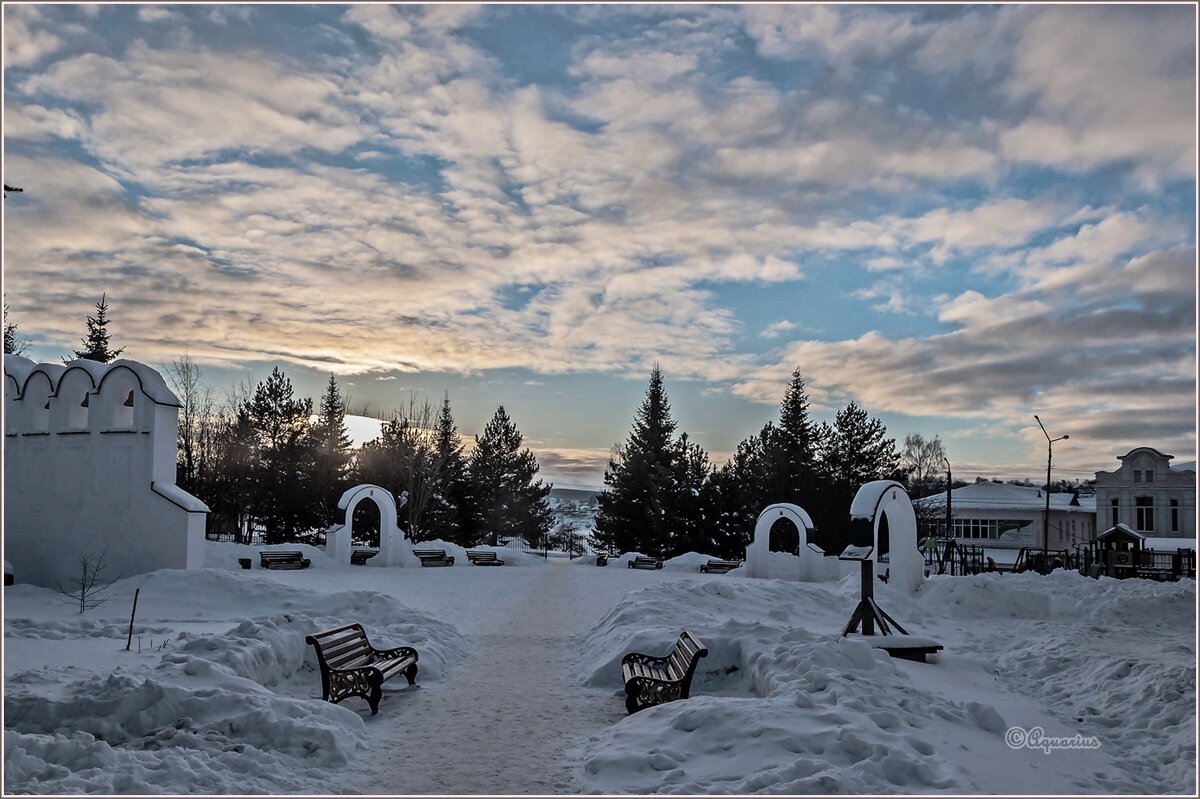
{"x": 883, "y": 529}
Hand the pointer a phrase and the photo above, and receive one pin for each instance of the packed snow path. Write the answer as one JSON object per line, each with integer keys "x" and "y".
{"x": 514, "y": 717}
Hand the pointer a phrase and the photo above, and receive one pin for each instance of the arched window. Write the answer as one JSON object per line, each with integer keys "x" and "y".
{"x": 123, "y": 412}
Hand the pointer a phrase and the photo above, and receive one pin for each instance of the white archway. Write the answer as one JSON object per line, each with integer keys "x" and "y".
{"x": 887, "y": 500}
{"x": 394, "y": 548}
{"x": 804, "y": 564}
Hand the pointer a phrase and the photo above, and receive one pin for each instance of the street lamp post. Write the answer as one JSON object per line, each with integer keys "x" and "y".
{"x": 1046, "y": 518}
{"x": 949, "y": 515}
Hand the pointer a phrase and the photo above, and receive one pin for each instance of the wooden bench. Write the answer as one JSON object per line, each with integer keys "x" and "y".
{"x": 434, "y": 557}
{"x": 483, "y": 558}
{"x": 720, "y": 566}
{"x": 642, "y": 562}
{"x": 283, "y": 560}
{"x": 350, "y": 666}
{"x": 653, "y": 680}
{"x": 359, "y": 557}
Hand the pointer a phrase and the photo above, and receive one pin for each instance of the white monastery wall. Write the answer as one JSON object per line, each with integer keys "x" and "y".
{"x": 89, "y": 469}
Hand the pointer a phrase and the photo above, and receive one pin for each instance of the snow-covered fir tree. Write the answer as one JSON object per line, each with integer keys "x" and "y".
{"x": 511, "y": 501}
{"x": 334, "y": 465}
{"x": 654, "y": 481}
{"x": 451, "y": 515}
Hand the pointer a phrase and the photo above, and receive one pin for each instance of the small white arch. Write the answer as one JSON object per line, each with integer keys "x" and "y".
{"x": 882, "y": 500}
{"x": 394, "y": 547}
{"x": 805, "y": 564}
{"x": 70, "y": 408}
{"x": 35, "y": 397}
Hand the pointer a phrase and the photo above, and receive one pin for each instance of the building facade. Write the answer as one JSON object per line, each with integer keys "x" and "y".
{"x": 1148, "y": 495}
{"x": 1002, "y": 515}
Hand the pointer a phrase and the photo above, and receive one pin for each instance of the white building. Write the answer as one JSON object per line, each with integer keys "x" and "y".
{"x": 1148, "y": 495}
{"x": 999, "y": 515}
{"x": 89, "y": 470}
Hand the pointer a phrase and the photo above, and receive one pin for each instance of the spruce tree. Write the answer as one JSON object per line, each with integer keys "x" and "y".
{"x": 334, "y": 453}
{"x": 451, "y": 515}
{"x": 96, "y": 343}
{"x": 855, "y": 450}
{"x": 511, "y": 502}
{"x": 285, "y": 502}
{"x": 13, "y": 343}
{"x": 642, "y": 478}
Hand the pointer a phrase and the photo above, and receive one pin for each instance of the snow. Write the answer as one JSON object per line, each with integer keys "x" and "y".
{"x": 519, "y": 688}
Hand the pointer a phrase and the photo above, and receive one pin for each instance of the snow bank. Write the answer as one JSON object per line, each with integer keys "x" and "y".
{"x": 225, "y": 555}
{"x": 784, "y": 704}
{"x": 222, "y": 709}
{"x": 688, "y": 562}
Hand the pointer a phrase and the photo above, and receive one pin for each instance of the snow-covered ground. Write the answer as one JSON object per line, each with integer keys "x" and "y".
{"x": 520, "y": 692}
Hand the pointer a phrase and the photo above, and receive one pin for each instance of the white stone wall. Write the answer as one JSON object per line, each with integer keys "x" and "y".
{"x": 93, "y": 480}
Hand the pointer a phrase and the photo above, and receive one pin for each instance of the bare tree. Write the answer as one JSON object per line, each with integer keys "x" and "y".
{"x": 86, "y": 588}
{"x": 197, "y": 422}
{"x": 405, "y": 459}
{"x": 923, "y": 461}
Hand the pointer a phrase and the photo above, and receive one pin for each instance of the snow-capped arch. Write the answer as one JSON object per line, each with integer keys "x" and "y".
{"x": 884, "y": 508}
{"x": 394, "y": 547}
{"x": 803, "y": 564}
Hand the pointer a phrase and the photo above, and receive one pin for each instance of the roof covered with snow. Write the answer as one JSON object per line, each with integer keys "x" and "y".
{"x": 20, "y": 370}
{"x": 1002, "y": 496}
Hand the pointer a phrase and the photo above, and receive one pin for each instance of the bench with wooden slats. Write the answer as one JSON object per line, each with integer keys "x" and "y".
{"x": 274, "y": 559}
{"x": 350, "y": 666}
{"x": 720, "y": 566}
{"x": 651, "y": 680}
{"x": 643, "y": 562}
{"x": 359, "y": 557}
{"x": 434, "y": 557}
{"x": 482, "y": 558}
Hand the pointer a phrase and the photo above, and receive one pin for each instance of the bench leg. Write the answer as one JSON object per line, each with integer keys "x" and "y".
{"x": 373, "y": 698}
{"x": 411, "y": 674}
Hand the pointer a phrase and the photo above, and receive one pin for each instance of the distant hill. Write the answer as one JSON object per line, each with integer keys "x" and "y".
{"x": 576, "y": 494}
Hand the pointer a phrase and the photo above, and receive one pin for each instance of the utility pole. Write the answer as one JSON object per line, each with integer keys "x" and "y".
{"x": 1046, "y": 517}
{"x": 949, "y": 514}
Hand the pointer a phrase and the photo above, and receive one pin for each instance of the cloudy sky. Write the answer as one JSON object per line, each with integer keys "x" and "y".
{"x": 957, "y": 216}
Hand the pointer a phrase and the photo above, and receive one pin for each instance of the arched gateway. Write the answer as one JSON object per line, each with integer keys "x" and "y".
{"x": 394, "y": 547}
{"x": 797, "y": 560}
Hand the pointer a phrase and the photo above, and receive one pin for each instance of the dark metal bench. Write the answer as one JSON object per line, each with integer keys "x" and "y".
{"x": 483, "y": 558}
{"x": 359, "y": 557}
{"x": 642, "y": 562}
{"x": 283, "y": 560}
{"x": 350, "y": 666}
{"x": 653, "y": 680}
{"x": 720, "y": 566}
{"x": 434, "y": 557}
{"x": 602, "y": 560}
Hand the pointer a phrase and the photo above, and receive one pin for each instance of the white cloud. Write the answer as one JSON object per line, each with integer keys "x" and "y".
{"x": 25, "y": 41}
{"x": 777, "y": 329}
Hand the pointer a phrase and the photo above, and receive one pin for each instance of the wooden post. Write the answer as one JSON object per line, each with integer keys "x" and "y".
{"x": 868, "y": 593}
{"x": 129, "y": 640}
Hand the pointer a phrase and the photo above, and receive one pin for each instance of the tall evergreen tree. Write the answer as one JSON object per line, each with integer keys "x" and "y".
{"x": 637, "y": 511}
{"x": 96, "y": 342}
{"x": 451, "y": 515}
{"x": 284, "y": 503}
{"x": 511, "y": 501}
{"x": 855, "y": 450}
{"x": 778, "y": 464}
{"x": 334, "y": 452}
{"x": 14, "y": 344}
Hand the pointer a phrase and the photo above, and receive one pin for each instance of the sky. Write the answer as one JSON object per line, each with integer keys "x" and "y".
{"x": 956, "y": 216}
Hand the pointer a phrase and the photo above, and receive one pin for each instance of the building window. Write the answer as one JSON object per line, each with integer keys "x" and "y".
{"x": 1116, "y": 511}
{"x": 1174, "y": 516}
{"x": 1143, "y": 475}
{"x": 1145, "y": 514}
{"x": 976, "y": 528}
